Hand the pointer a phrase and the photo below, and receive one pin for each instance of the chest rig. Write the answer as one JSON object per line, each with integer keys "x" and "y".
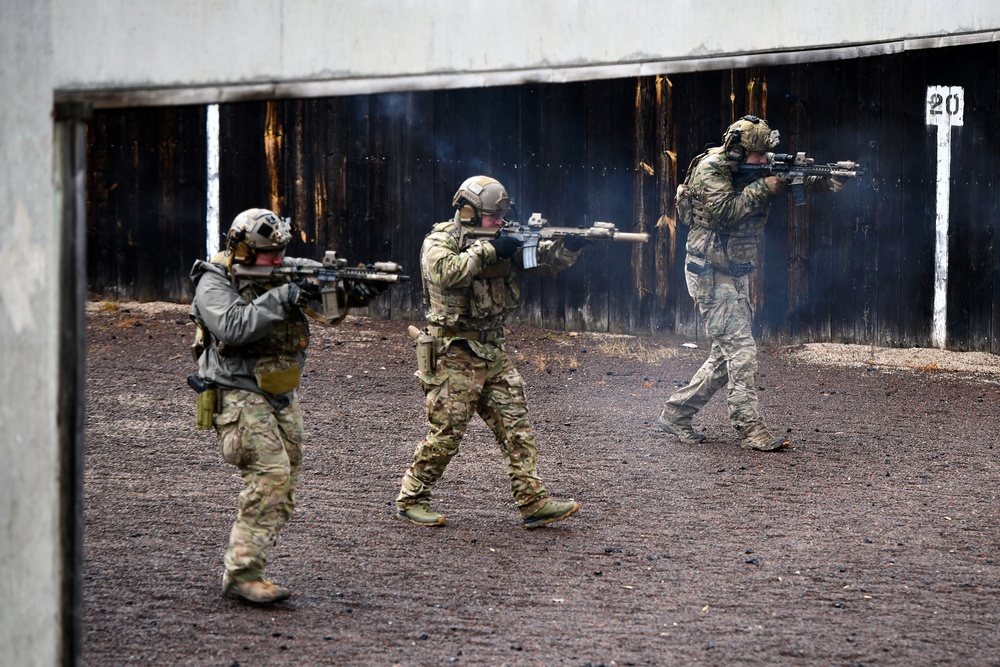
{"x": 288, "y": 337}
{"x": 493, "y": 292}
{"x": 734, "y": 250}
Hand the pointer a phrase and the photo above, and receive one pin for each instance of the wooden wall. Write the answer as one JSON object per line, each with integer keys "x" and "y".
{"x": 145, "y": 202}
{"x": 368, "y": 175}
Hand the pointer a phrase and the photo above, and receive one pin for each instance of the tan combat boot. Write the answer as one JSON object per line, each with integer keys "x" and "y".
{"x": 756, "y": 436}
{"x": 550, "y": 512}
{"x": 681, "y": 428}
{"x": 258, "y": 591}
{"x": 421, "y": 514}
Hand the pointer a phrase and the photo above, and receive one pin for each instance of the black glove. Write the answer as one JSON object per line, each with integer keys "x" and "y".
{"x": 505, "y": 246}
{"x": 575, "y": 242}
{"x": 364, "y": 292}
{"x": 300, "y": 293}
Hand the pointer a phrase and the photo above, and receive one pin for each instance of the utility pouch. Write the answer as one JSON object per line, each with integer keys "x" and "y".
{"x": 278, "y": 374}
{"x": 426, "y": 350}
{"x": 207, "y": 404}
{"x": 717, "y": 258}
{"x": 499, "y": 269}
{"x": 683, "y": 206}
{"x": 740, "y": 254}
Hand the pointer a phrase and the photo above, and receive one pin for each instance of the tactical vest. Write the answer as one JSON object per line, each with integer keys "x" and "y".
{"x": 733, "y": 251}
{"x": 493, "y": 293}
{"x": 290, "y": 336}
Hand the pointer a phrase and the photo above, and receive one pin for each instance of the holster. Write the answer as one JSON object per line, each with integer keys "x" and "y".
{"x": 207, "y": 405}
{"x": 426, "y": 349}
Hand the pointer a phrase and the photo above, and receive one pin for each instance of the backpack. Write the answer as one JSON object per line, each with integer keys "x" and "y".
{"x": 682, "y": 199}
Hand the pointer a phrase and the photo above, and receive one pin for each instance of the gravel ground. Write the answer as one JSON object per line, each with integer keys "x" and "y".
{"x": 871, "y": 540}
{"x": 911, "y": 358}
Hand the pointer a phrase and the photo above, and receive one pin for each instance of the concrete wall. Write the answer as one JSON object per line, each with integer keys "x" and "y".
{"x": 121, "y": 52}
{"x": 30, "y": 577}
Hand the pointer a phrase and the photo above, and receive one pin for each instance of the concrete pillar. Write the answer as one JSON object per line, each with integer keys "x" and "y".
{"x": 32, "y": 594}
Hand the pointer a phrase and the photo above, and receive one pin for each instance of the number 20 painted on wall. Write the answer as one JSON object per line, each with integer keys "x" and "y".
{"x": 945, "y": 105}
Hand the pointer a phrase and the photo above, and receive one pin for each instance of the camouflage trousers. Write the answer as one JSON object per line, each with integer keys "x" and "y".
{"x": 724, "y": 304}
{"x": 266, "y": 445}
{"x": 462, "y": 385}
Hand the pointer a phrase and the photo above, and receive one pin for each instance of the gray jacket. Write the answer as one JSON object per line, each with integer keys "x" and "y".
{"x": 234, "y": 321}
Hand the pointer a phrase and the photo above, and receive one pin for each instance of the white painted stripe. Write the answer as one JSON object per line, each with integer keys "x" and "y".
{"x": 943, "y": 210}
{"x": 212, "y": 209}
{"x": 945, "y": 109}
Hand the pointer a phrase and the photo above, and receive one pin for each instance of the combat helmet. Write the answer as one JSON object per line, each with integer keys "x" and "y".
{"x": 747, "y": 135}
{"x": 257, "y": 229}
{"x": 479, "y": 195}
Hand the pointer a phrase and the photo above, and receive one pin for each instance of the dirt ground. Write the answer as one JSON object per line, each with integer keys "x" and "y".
{"x": 872, "y": 540}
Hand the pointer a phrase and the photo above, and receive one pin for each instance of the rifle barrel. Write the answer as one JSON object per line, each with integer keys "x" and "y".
{"x": 634, "y": 237}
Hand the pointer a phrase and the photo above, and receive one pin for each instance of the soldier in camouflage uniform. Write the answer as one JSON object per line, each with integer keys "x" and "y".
{"x": 251, "y": 346}
{"x": 726, "y": 211}
{"x": 469, "y": 287}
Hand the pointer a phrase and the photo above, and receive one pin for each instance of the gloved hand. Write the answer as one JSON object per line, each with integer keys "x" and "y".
{"x": 574, "y": 243}
{"x": 775, "y": 184}
{"x": 364, "y": 292}
{"x": 506, "y": 246}
{"x": 835, "y": 183}
{"x": 300, "y": 293}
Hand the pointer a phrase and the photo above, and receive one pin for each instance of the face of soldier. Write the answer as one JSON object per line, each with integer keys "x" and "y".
{"x": 757, "y": 157}
{"x": 492, "y": 219}
{"x": 270, "y": 257}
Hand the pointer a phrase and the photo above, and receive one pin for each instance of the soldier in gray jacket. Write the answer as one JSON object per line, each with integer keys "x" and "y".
{"x": 251, "y": 347}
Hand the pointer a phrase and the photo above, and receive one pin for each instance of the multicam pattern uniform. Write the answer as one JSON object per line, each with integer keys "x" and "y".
{"x": 469, "y": 292}
{"x": 259, "y": 433}
{"x": 266, "y": 445}
{"x": 729, "y": 212}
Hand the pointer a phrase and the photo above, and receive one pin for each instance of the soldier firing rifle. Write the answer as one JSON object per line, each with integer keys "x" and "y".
{"x": 250, "y": 307}
{"x": 725, "y": 200}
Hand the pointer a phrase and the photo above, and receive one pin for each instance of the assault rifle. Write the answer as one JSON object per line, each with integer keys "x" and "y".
{"x": 795, "y": 168}
{"x": 330, "y": 304}
{"x": 537, "y": 228}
